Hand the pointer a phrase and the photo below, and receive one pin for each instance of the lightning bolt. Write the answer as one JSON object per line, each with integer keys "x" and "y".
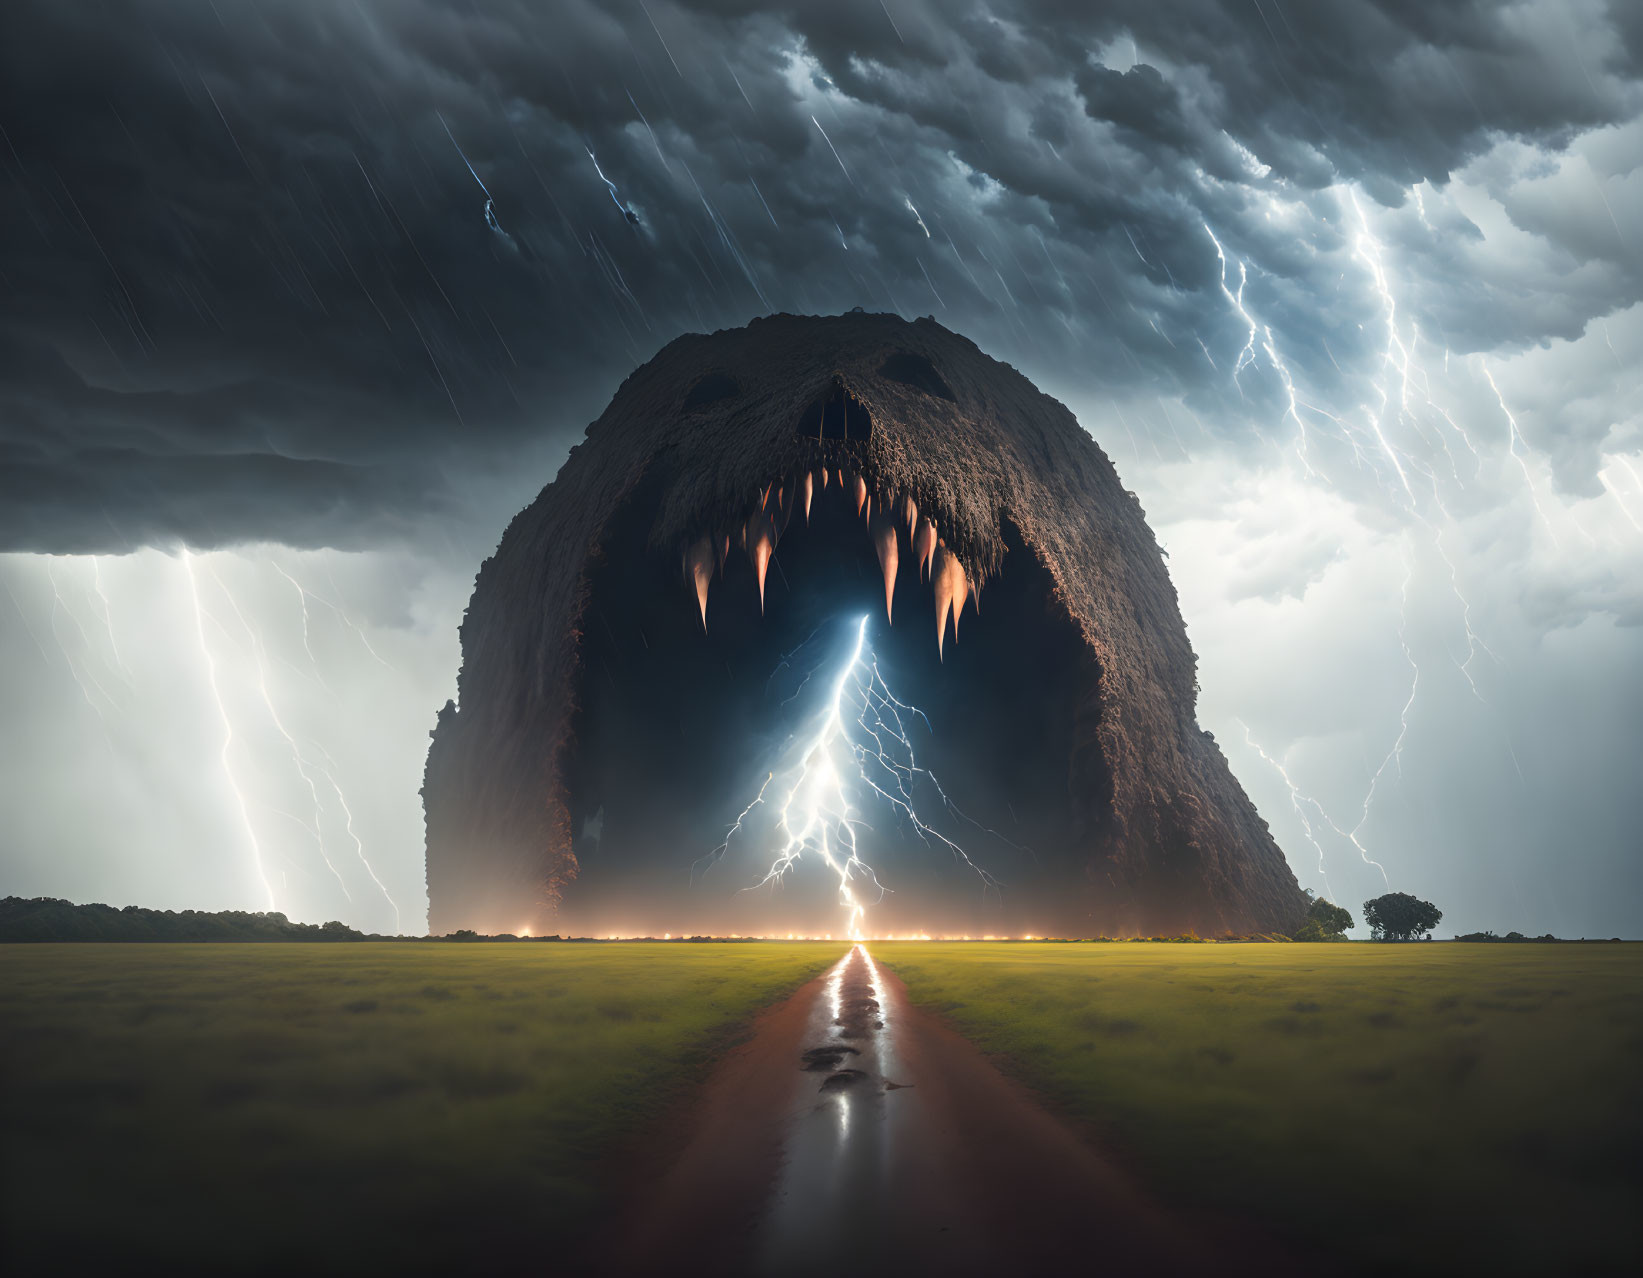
{"x": 1420, "y": 204}
{"x": 1247, "y": 355}
{"x": 348, "y": 621}
{"x": 336, "y": 610}
{"x": 1514, "y": 438}
{"x": 328, "y": 768}
{"x": 1367, "y": 249}
{"x": 908, "y": 201}
{"x": 328, "y": 771}
{"x": 108, "y": 619}
{"x": 259, "y": 657}
{"x": 615, "y": 199}
{"x": 834, "y": 150}
{"x": 226, "y": 754}
{"x": 490, "y": 204}
{"x": 861, "y": 737}
{"x": 1299, "y": 802}
{"x": 24, "y": 618}
{"x": 1400, "y": 359}
{"x": 81, "y": 670}
{"x": 1394, "y": 755}
{"x": 1392, "y": 759}
{"x": 1637, "y": 485}
{"x": 302, "y": 598}
{"x": 1474, "y": 642}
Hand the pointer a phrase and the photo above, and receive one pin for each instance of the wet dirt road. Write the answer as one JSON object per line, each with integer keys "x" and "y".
{"x": 856, "y": 1135}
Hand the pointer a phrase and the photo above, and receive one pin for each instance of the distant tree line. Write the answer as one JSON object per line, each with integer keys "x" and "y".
{"x": 45, "y": 918}
{"x": 1393, "y": 917}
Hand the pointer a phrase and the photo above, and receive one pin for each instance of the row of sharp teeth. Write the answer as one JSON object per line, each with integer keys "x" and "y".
{"x": 889, "y": 520}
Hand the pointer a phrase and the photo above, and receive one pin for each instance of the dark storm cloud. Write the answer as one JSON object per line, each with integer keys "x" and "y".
{"x": 251, "y": 290}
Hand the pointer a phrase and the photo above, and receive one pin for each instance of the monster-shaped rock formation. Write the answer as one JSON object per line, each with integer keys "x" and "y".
{"x": 717, "y": 457}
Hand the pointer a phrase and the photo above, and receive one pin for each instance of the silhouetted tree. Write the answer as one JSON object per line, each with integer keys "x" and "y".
{"x": 1329, "y": 916}
{"x": 1397, "y": 916}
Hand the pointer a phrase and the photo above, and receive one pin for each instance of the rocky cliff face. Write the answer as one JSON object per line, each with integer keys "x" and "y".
{"x": 702, "y": 474}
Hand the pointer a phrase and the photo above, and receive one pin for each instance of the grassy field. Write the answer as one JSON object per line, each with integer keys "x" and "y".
{"x": 305, "y": 1107}
{"x": 1469, "y": 1108}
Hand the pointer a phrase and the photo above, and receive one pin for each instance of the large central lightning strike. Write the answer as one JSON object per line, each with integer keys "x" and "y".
{"x": 860, "y": 743}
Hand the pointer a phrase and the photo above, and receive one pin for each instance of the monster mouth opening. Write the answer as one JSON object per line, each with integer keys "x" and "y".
{"x": 706, "y": 788}
{"x": 651, "y": 654}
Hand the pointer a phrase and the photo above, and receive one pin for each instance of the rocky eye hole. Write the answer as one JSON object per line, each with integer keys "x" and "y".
{"x": 711, "y": 389}
{"x": 917, "y": 372}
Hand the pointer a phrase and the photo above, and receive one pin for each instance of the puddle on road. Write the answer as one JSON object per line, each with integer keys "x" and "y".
{"x": 828, "y": 1202}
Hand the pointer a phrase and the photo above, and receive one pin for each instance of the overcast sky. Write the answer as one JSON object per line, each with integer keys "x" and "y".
{"x": 1351, "y": 293}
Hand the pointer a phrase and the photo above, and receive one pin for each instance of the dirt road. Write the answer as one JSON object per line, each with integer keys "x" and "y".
{"x": 855, "y": 1135}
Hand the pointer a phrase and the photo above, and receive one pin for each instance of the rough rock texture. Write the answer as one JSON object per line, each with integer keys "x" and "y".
{"x": 710, "y": 420}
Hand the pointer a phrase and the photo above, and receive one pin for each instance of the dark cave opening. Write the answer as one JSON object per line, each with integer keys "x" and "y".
{"x": 676, "y": 729}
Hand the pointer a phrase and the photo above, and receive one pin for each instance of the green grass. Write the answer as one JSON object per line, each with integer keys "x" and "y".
{"x": 344, "y": 1106}
{"x": 1469, "y": 1108}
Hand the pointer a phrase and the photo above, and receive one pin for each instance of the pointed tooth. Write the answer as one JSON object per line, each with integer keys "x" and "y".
{"x": 724, "y": 550}
{"x": 824, "y": 473}
{"x": 858, "y": 490}
{"x": 882, "y": 529}
{"x": 764, "y": 497}
{"x": 761, "y": 562}
{"x": 761, "y": 540}
{"x": 699, "y": 564}
{"x": 948, "y": 575}
{"x": 806, "y": 488}
{"x": 909, "y": 513}
{"x": 961, "y": 591}
{"x": 924, "y": 545}
{"x": 782, "y": 512}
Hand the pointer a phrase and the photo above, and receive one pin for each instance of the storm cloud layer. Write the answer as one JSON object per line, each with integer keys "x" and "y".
{"x": 1353, "y": 293}
{"x": 252, "y": 292}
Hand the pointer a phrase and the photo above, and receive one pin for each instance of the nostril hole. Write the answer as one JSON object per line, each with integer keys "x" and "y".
{"x": 837, "y": 414}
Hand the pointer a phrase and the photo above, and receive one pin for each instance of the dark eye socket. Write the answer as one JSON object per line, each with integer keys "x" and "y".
{"x": 917, "y": 372}
{"x": 710, "y": 390}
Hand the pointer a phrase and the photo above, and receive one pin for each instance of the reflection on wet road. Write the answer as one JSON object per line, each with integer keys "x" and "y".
{"x": 828, "y": 1204}
{"x": 857, "y": 1135}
